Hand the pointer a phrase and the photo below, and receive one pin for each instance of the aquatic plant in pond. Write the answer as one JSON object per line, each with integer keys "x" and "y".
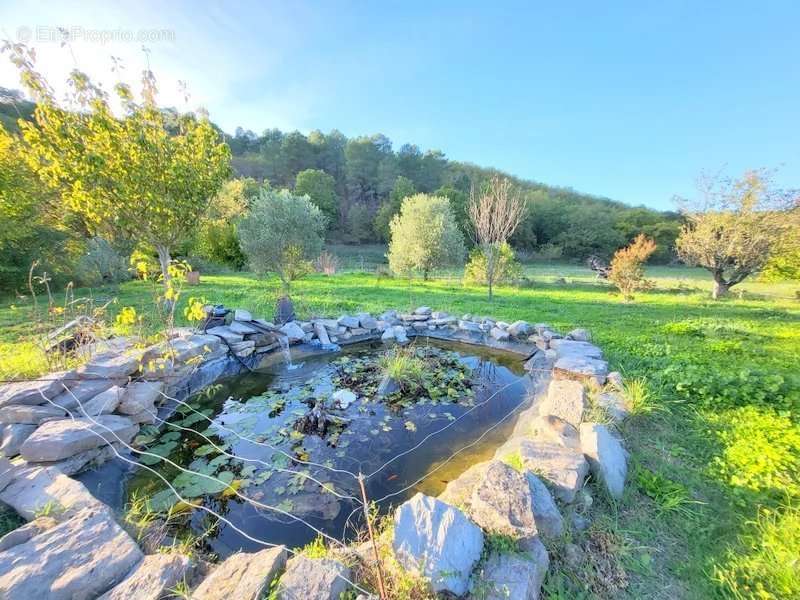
{"x": 243, "y": 451}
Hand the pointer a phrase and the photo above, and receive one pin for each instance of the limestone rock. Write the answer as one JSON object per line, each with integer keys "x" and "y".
{"x": 13, "y": 436}
{"x": 549, "y": 521}
{"x": 140, "y": 396}
{"x": 78, "y": 559}
{"x": 226, "y": 333}
{"x": 8, "y": 472}
{"x": 614, "y": 404}
{"x": 348, "y": 321}
{"x": 555, "y": 430}
{"x": 152, "y": 578}
{"x": 20, "y": 535}
{"x": 242, "y": 328}
{"x": 437, "y": 541}
{"x": 114, "y": 366}
{"x": 615, "y": 379}
{"x": 78, "y": 462}
{"x": 423, "y": 310}
{"x": 245, "y": 576}
{"x": 242, "y": 315}
{"x": 563, "y": 468}
{"x": 30, "y": 392}
{"x": 317, "y": 578}
{"x": 82, "y": 391}
{"x": 575, "y": 348}
{"x": 565, "y": 399}
{"x": 322, "y": 333}
{"x": 607, "y": 458}
{"x": 103, "y": 403}
{"x": 61, "y": 439}
{"x": 579, "y": 335}
{"x": 30, "y": 415}
{"x": 293, "y": 331}
{"x": 470, "y": 326}
{"x": 512, "y": 576}
{"x": 499, "y": 334}
{"x": 36, "y": 488}
{"x": 367, "y": 322}
{"x": 520, "y": 329}
{"x": 400, "y": 334}
{"x": 496, "y": 497}
{"x": 578, "y": 368}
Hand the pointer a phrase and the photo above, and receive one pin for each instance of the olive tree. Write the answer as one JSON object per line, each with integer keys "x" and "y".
{"x": 494, "y": 213}
{"x": 424, "y": 236}
{"x": 734, "y": 227}
{"x": 282, "y": 234}
{"x": 146, "y": 174}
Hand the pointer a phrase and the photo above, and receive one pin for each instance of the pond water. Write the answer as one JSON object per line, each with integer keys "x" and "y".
{"x": 248, "y": 433}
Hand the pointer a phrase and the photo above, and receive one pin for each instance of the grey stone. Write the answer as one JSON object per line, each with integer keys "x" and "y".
{"x": 413, "y": 318}
{"x": 293, "y": 331}
{"x": 103, "y": 403}
{"x": 7, "y": 473}
{"x": 322, "y": 333}
{"x": 579, "y": 335}
{"x": 470, "y": 326}
{"x": 78, "y": 462}
{"x": 368, "y": 322}
{"x": 241, "y": 346}
{"x": 400, "y": 334}
{"x": 615, "y": 380}
{"x": 359, "y": 331}
{"x": 57, "y": 440}
{"x": 34, "y": 489}
{"x": 153, "y": 578}
{"x": 317, "y": 578}
{"x": 388, "y": 335}
{"x": 30, "y": 392}
{"x": 242, "y": 315}
{"x": 13, "y": 436}
{"x": 27, "y": 414}
{"x": 348, "y": 321}
{"x": 607, "y": 458}
{"x": 140, "y": 396}
{"x": 117, "y": 366}
{"x": 500, "y": 335}
{"x": 242, "y": 328}
{"x": 495, "y": 497}
{"x": 614, "y": 404}
{"x": 512, "y": 576}
{"x": 78, "y": 559}
{"x": 590, "y": 370}
{"x": 554, "y": 430}
{"x": 565, "y": 399}
{"x": 520, "y": 329}
{"x": 440, "y": 314}
{"x": 187, "y": 348}
{"x": 226, "y": 333}
{"x": 565, "y": 469}
{"x": 549, "y": 521}
{"x": 388, "y": 385}
{"x": 437, "y": 541}
{"x": 423, "y": 310}
{"x": 575, "y": 348}
{"x": 20, "y": 535}
{"x": 82, "y": 391}
{"x": 245, "y": 576}
{"x": 442, "y": 321}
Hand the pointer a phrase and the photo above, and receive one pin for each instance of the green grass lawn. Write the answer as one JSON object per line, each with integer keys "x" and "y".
{"x": 712, "y": 503}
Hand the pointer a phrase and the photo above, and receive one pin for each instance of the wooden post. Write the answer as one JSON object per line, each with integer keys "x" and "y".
{"x": 381, "y": 586}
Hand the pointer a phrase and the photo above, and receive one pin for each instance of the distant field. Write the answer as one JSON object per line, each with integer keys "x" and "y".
{"x": 720, "y": 447}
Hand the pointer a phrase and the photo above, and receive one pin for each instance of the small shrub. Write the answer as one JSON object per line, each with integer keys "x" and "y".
{"x": 101, "y": 264}
{"x": 326, "y": 263}
{"x": 507, "y": 269}
{"x": 404, "y": 367}
{"x": 316, "y": 548}
{"x": 627, "y": 266}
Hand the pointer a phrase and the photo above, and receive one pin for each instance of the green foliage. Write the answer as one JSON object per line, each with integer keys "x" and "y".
{"x": 507, "y": 269}
{"x": 403, "y": 188}
{"x": 514, "y": 460}
{"x": 282, "y": 235}
{"x": 404, "y": 367}
{"x": 358, "y": 224}
{"x": 101, "y": 264}
{"x": 321, "y": 189}
{"x": 668, "y": 495}
{"x": 424, "y": 236}
{"x": 316, "y": 548}
{"x": 627, "y": 266}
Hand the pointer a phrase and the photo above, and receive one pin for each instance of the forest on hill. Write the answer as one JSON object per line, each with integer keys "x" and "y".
{"x": 370, "y": 178}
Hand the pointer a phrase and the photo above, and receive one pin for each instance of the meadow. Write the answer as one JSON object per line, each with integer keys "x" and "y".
{"x": 713, "y": 504}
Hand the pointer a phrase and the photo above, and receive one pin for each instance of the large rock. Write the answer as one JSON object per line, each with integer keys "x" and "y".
{"x": 470, "y": 326}
{"x": 322, "y": 333}
{"x": 184, "y": 349}
{"x": 20, "y": 535}
{"x": 293, "y": 331}
{"x": 13, "y": 436}
{"x": 114, "y": 366}
{"x": 499, "y": 334}
{"x": 614, "y": 404}
{"x": 512, "y": 576}
{"x": 565, "y": 399}
{"x": 82, "y": 391}
{"x": 579, "y": 368}
{"x": 575, "y": 348}
{"x": 103, "y": 403}
{"x": 579, "y": 335}
{"x": 549, "y": 521}
{"x": 8, "y": 472}
{"x": 77, "y": 560}
{"x": 225, "y": 333}
{"x": 243, "y": 575}
{"x": 554, "y": 430}
{"x": 30, "y": 392}
{"x": 350, "y": 322}
{"x": 438, "y": 542}
{"x": 565, "y": 469}
{"x": 317, "y": 578}
{"x": 496, "y": 497}
{"x": 367, "y": 322}
{"x": 38, "y": 488}
{"x": 607, "y": 458}
{"x": 153, "y": 578}
{"x": 140, "y": 396}
{"x": 242, "y": 328}
{"x": 78, "y": 462}
{"x": 61, "y": 439}
{"x": 30, "y": 415}
{"x": 520, "y": 329}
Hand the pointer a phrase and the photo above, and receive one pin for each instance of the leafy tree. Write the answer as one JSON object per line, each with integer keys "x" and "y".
{"x": 784, "y": 262}
{"x": 321, "y": 188}
{"x": 627, "y": 266}
{"x": 358, "y": 224}
{"x": 144, "y": 175}
{"x": 297, "y": 154}
{"x": 507, "y": 268}
{"x": 403, "y": 188}
{"x": 424, "y": 236}
{"x": 282, "y": 234}
{"x": 735, "y": 227}
{"x": 459, "y": 202}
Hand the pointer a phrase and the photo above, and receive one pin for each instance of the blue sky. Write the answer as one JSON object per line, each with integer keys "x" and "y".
{"x": 625, "y": 100}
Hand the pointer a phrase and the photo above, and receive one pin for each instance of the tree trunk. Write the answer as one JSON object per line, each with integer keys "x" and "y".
{"x": 164, "y": 258}
{"x": 721, "y": 286}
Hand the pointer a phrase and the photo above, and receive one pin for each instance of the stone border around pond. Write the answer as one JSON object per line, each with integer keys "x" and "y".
{"x": 540, "y": 468}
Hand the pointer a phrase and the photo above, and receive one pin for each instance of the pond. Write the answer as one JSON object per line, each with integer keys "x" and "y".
{"x": 282, "y": 438}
